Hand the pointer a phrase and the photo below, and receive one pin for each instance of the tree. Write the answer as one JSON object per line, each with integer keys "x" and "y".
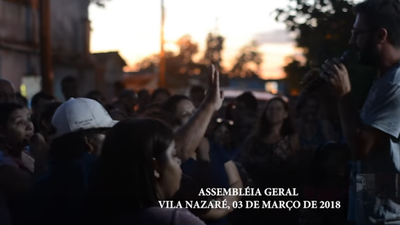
{"x": 323, "y": 31}
{"x": 295, "y": 71}
{"x": 187, "y": 48}
{"x": 322, "y": 26}
{"x": 178, "y": 66}
{"x": 212, "y": 55}
{"x": 248, "y": 54}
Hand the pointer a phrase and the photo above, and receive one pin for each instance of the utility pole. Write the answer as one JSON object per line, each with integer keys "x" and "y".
{"x": 45, "y": 47}
{"x": 161, "y": 81}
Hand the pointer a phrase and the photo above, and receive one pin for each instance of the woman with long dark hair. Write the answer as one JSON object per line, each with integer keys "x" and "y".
{"x": 137, "y": 168}
{"x": 269, "y": 155}
{"x": 274, "y": 144}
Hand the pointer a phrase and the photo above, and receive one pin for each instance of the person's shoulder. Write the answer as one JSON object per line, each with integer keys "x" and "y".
{"x": 184, "y": 216}
{"x": 175, "y": 216}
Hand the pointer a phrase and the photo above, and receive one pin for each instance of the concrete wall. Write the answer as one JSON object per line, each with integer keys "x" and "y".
{"x": 20, "y": 29}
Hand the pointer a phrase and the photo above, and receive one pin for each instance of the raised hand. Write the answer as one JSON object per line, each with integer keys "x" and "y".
{"x": 214, "y": 95}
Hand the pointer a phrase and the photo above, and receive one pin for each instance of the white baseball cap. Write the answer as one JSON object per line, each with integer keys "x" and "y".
{"x": 80, "y": 114}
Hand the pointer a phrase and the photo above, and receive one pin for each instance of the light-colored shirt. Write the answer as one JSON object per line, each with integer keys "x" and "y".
{"x": 382, "y": 111}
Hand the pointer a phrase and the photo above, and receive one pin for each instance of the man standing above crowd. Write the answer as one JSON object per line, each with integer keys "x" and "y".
{"x": 373, "y": 136}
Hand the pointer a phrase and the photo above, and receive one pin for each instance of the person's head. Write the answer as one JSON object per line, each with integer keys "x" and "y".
{"x": 21, "y": 99}
{"x": 376, "y": 32}
{"x": 222, "y": 131}
{"x": 197, "y": 95}
{"x": 276, "y": 113}
{"x": 7, "y": 92}
{"x": 139, "y": 163}
{"x": 69, "y": 87}
{"x": 46, "y": 116}
{"x": 80, "y": 125}
{"x": 179, "y": 109}
{"x": 118, "y": 87}
{"x": 97, "y": 96}
{"x": 248, "y": 100}
{"x": 329, "y": 162}
{"x": 160, "y": 95}
{"x": 123, "y": 107}
{"x": 117, "y": 114}
{"x": 143, "y": 98}
{"x": 307, "y": 107}
{"x": 15, "y": 127}
{"x": 128, "y": 96}
{"x": 39, "y": 100}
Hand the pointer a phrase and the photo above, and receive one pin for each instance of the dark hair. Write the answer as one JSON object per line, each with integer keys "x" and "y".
{"x": 304, "y": 98}
{"x": 125, "y": 169}
{"x": 93, "y": 93}
{"x": 127, "y": 93}
{"x": 68, "y": 79}
{"x": 382, "y": 14}
{"x": 151, "y": 106}
{"x": 159, "y": 91}
{"x": 143, "y": 92}
{"x": 124, "y": 107}
{"x": 248, "y": 99}
{"x": 264, "y": 126}
{"x": 48, "y": 111}
{"x": 197, "y": 89}
{"x": 6, "y": 109}
{"x": 21, "y": 99}
{"x": 73, "y": 145}
{"x": 41, "y": 95}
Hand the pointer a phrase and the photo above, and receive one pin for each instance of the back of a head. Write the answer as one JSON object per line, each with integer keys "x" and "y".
{"x": 159, "y": 91}
{"x": 48, "y": 111}
{"x": 68, "y": 79}
{"x": 94, "y": 94}
{"x": 41, "y": 96}
{"x": 21, "y": 99}
{"x": 249, "y": 100}
{"x": 127, "y": 160}
{"x": 197, "y": 89}
{"x": 127, "y": 93}
{"x": 382, "y": 14}
{"x": 143, "y": 93}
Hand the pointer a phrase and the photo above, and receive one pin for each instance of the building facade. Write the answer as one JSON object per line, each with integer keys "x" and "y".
{"x": 70, "y": 42}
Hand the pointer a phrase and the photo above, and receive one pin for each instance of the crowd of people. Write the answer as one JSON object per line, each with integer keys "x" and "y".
{"x": 88, "y": 161}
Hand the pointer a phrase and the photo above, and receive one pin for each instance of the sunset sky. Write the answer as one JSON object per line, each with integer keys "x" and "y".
{"x": 132, "y": 27}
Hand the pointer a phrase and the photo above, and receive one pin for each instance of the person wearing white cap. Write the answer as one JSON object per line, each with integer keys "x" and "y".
{"x": 80, "y": 126}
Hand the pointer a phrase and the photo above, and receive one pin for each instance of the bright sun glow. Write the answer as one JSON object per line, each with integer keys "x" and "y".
{"x": 133, "y": 28}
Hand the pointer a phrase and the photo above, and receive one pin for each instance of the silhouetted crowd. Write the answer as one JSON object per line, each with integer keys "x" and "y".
{"x": 91, "y": 161}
